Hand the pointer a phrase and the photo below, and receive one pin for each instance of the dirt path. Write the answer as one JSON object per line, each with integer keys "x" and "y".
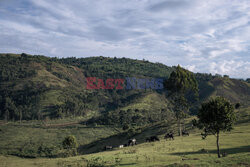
{"x": 61, "y": 125}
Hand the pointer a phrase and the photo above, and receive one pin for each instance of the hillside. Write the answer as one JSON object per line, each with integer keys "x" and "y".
{"x": 39, "y": 87}
{"x": 185, "y": 151}
{"x": 232, "y": 89}
{"x": 49, "y": 98}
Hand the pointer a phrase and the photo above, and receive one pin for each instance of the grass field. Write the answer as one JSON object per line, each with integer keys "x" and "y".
{"x": 183, "y": 151}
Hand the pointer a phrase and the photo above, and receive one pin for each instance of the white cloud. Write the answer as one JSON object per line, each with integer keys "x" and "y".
{"x": 203, "y": 36}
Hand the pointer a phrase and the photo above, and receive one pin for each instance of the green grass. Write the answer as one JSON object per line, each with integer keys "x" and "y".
{"x": 151, "y": 101}
{"x": 183, "y": 151}
{"x": 15, "y": 136}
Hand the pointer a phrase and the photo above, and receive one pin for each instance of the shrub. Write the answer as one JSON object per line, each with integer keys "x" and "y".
{"x": 70, "y": 142}
{"x": 70, "y": 145}
{"x": 47, "y": 151}
{"x": 96, "y": 162}
{"x": 125, "y": 127}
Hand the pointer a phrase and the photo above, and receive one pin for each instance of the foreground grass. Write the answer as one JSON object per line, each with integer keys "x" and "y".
{"x": 183, "y": 151}
{"x": 15, "y": 136}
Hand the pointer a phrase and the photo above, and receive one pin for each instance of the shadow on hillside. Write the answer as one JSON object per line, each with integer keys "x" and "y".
{"x": 98, "y": 146}
{"x": 127, "y": 164}
{"x": 242, "y": 149}
{"x": 122, "y": 138}
{"x": 242, "y": 121}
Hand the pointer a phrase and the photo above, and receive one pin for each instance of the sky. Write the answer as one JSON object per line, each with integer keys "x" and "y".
{"x": 207, "y": 36}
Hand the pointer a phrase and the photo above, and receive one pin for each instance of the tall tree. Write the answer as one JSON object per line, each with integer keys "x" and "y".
{"x": 215, "y": 116}
{"x": 181, "y": 83}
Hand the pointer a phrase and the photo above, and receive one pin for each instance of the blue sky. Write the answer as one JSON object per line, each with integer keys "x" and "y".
{"x": 203, "y": 36}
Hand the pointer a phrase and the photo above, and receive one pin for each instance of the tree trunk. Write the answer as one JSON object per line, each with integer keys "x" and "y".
{"x": 20, "y": 116}
{"x": 180, "y": 131}
{"x": 218, "y": 147}
{"x": 6, "y": 115}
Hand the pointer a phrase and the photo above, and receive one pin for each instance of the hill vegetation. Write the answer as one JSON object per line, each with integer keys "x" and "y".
{"x": 39, "y": 87}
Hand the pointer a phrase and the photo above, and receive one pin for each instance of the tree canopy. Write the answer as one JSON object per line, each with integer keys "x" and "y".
{"x": 215, "y": 116}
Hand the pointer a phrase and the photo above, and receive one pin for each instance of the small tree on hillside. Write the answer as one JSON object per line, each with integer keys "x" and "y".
{"x": 70, "y": 143}
{"x": 215, "y": 116}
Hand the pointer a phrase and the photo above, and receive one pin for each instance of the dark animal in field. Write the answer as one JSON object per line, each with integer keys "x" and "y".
{"x": 132, "y": 142}
{"x": 224, "y": 154}
{"x": 169, "y": 136}
{"x": 152, "y": 139}
{"x": 185, "y": 133}
{"x": 204, "y": 134}
{"x": 108, "y": 148}
{"x": 125, "y": 145}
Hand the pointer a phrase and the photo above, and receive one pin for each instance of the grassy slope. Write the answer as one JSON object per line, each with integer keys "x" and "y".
{"x": 232, "y": 89}
{"x": 14, "y": 136}
{"x": 183, "y": 150}
{"x": 150, "y": 101}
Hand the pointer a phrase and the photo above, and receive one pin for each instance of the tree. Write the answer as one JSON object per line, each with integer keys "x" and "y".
{"x": 70, "y": 142}
{"x": 10, "y": 109}
{"x": 215, "y": 116}
{"x": 180, "y": 83}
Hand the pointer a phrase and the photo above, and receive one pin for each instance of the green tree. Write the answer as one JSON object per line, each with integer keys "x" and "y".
{"x": 70, "y": 142}
{"x": 215, "y": 116}
{"x": 180, "y": 83}
{"x": 10, "y": 109}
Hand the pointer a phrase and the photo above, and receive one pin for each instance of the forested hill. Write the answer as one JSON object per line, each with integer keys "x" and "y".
{"x": 39, "y": 87}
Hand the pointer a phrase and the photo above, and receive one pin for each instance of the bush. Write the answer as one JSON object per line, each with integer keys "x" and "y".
{"x": 70, "y": 142}
{"x": 47, "y": 151}
{"x": 96, "y": 162}
{"x": 125, "y": 127}
{"x": 67, "y": 153}
{"x": 70, "y": 145}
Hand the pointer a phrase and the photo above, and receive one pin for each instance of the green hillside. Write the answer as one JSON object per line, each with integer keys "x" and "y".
{"x": 39, "y": 87}
{"x": 43, "y": 100}
{"x": 182, "y": 152}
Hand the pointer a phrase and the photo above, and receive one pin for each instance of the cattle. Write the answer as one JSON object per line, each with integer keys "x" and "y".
{"x": 169, "y": 136}
{"x": 108, "y": 148}
{"x": 132, "y": 142}
{"x": 121, "y": 146}
{"x": 185, "y": 133}
{"x": 152, "y": 139}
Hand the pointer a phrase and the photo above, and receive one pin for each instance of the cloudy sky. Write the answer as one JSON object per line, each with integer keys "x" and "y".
{"x": 204, "y": 36}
